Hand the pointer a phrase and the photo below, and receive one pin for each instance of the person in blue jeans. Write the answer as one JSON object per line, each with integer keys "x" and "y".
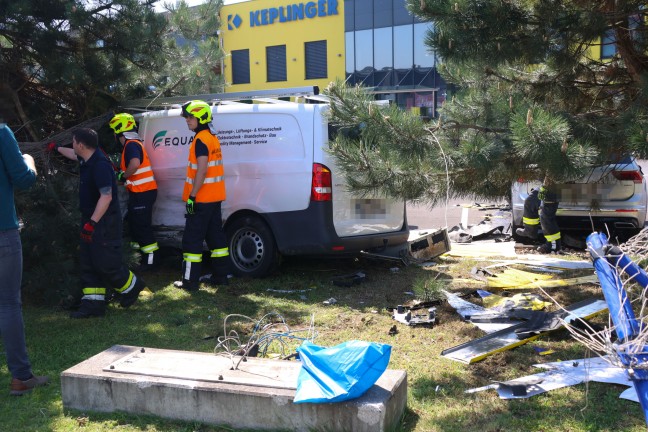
{"x": 16, "y": 171}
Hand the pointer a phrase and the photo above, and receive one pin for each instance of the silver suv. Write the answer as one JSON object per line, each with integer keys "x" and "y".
{"x": 611, "y": 198}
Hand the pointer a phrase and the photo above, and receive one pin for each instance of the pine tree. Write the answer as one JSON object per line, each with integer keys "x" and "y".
{"x": 534, "y": 98}
{"x": 68, "y": 63}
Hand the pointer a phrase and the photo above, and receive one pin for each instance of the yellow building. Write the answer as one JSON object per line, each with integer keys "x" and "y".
{"x": 279, "y": 43}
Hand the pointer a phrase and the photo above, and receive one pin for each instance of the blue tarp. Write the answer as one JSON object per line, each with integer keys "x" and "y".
{"x": 343, "y": 372}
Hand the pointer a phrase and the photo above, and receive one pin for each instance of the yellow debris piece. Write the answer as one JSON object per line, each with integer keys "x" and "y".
{"x": 513, "y": 277}
{"x": 551, "y": 283}
{"x": 523, "y": 301}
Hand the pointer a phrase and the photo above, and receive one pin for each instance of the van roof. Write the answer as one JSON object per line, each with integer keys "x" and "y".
{"x": 308, "y": 93}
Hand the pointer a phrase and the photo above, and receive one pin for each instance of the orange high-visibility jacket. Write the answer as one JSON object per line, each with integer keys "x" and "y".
{"x": 141, "y": 180}
{"x": 213, "y": 189}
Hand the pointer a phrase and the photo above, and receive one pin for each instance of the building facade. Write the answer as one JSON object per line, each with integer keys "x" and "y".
{"x": 374, "y": 43}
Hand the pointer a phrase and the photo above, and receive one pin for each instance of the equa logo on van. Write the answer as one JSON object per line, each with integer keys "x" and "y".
{"x": 160, "y": 139}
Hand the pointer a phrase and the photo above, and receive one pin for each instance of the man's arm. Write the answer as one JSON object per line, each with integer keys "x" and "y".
{"x": 68, "y": 152}
{"x": 133, "y": 165}
{"x": 201, "y": 173}
{"x": 102, "y": 204}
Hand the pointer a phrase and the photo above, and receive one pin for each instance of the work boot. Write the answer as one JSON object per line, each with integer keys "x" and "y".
{"x": 550, "y": 247}
{"x": 186, "y": 285}
{"x": 127, "y": 299}
{"x": 530, "y": 231}
{"x": 89, "y": 309}
{"x": 19, "y": 387}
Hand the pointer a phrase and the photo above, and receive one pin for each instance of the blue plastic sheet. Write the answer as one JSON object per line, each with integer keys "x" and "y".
{"x": 343, "y": 372}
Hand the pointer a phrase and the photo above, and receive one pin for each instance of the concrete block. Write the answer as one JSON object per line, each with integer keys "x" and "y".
{"x": 203, "y": 387}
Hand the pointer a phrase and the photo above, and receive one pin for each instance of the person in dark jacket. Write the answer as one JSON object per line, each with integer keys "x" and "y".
{"x": 101, "y": 229}
{"x": 16, "y": 171}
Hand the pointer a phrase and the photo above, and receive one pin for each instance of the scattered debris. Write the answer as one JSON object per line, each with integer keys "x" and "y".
{"x": 284, "y": 291}
{"x": 562, "y": 374}
{"x": 456, "y": 234}
{"x": 509, "y": 338}
{"x": 406, "y": 316}
{"x": 467, "y": 309}
{"x": 349, "y": 279}
{"x": 552, "y": 283}
{"x": 543, "y": 351}
{"x": 483, "y": 249}
{"x": 422, "y": 245}
{"x": 545, "y": 261}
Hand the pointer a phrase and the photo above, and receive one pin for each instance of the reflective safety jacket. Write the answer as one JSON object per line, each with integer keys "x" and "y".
{"x": 213, "y": 189}
{"x": 141, "y": 180}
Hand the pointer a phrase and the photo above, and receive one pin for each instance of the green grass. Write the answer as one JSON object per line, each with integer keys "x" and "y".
{"x": 173, "y": 319}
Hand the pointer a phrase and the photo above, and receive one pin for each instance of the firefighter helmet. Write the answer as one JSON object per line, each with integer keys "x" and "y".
{"x": 198, "y": 109}
{"x": 121, "y": 123}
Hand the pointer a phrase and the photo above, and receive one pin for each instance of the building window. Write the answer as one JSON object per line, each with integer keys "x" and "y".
{"x": 241, "y": 66}
{"x": 401, "y": 14}
{"x": 383, "y": 13}
{"x": 316, "y": 60}
{"x": 363, "y": 14}
{"x": 276, "y": 60}
{"x": 349, "y": 16}
{"x": 349, "y": 47}
{"x": 608, "y": 44}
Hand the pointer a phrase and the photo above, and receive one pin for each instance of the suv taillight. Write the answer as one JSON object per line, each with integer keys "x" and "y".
{"x": 321, "y": 189}
{"x": 635, "y": 176}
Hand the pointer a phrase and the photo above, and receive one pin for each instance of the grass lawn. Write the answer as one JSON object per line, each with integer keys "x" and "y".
{"x": 173, "y": 319}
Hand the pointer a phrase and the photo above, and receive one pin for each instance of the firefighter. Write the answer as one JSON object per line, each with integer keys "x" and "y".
{"x": 203, "y": 194}
{"x": 540, "y": 209}
{"x": 137, "y": 174}
{"x": 101, "y": 229}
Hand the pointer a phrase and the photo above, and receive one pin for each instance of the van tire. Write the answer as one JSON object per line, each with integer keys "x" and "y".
{"x": 252, "y": 247}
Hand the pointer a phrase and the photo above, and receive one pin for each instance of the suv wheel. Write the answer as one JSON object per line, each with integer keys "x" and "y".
{"x": 252, "y": 247}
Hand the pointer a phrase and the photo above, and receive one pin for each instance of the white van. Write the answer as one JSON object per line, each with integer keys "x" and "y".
{"x": 284, "y": 193}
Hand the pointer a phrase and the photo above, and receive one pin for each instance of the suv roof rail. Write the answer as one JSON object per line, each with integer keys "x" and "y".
{"x": 210, "y": 98}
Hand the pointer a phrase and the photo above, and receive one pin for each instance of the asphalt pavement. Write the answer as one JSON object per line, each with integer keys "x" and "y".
{"x": 421, "y": 216}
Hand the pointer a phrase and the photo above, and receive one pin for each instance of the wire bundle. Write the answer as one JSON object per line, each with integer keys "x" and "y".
{"x": 270, "y": 330}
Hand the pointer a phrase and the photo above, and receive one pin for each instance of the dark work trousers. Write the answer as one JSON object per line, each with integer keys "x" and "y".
{"x": 531, "y": 208}
{"x": 548, "y": 220}
{"x": 101, "y": 262}
{"x": 206, "y": 224}
{"x": 140, "y": 213}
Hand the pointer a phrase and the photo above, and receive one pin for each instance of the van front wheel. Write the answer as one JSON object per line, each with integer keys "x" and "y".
{"x": 252, "y": 247}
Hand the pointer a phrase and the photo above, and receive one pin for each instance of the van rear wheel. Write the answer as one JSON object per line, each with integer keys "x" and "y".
{"x": 252, "y": 247}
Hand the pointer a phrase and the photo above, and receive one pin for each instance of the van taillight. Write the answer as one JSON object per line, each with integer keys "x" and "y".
{"x": 321, "y": 186}
{"x": 635, "y": 176}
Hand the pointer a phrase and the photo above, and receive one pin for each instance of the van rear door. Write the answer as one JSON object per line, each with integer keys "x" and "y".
{"x": 354, "y": 215}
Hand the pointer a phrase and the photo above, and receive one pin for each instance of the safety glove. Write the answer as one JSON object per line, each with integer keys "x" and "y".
{"x": 120, "y": 177}
{"x": 88, "y": 230}
{"x": 190, "y": 205}
{"x": 52, "y": 147}
{"x": 542, "y": 194}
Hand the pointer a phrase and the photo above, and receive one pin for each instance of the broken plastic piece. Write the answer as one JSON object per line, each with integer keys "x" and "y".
{"x": 402, "y": 315}
{"x": 349, "y": 280}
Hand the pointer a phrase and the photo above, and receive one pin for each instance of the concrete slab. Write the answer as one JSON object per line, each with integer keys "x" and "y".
{"x": 202, "y": 387}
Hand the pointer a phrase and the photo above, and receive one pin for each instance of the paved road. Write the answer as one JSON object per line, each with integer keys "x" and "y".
{"x": 447, "y": 216}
